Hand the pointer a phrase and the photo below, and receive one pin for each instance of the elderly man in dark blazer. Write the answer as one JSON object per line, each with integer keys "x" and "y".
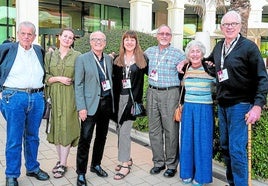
{"x": 22, "y": 103}
{"x": 94, "y": 100}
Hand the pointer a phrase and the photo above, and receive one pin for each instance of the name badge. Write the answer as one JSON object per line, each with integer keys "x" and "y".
{"x": 126, "y": 83}
{"x": 106, "y": 85}
{"x": 153, "y": 75}
{"x": 222, "y": 75}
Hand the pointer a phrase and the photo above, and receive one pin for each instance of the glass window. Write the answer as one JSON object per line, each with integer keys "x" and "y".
{"x": 91, "y": 17}
{"x": 265, "y": 18}
{"x": 126, "y": 19}
{"x": 7, "y": 20}
{"x": 193, "y": 19}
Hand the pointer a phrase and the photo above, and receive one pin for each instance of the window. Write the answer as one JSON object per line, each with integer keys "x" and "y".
{"x": 7, "y": 20}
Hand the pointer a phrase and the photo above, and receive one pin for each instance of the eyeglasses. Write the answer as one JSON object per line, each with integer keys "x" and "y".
{"x": 23, "y": 34}
{"x": 233, "y": 24}
{"x": 98, "y": 39}
{"x": 164, "y": 34}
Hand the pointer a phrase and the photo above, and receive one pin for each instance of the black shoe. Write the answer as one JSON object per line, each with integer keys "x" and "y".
{"x": 12, "y": 182}
{"x": 99, "y": 171}
{"x": 169, "y": 173}
{"x": 40, "y": 175}
{"x": 156, "y": 170}
{"x": 81, "y": 180}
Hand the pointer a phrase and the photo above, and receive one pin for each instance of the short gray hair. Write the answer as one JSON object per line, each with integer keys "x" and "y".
{"x": 93, "y": 33}
{"x": 194, "y": 43}
{"x": 164, "y": 25}
{"x": 27, "y": 24}
{"x": 231, "y": 13}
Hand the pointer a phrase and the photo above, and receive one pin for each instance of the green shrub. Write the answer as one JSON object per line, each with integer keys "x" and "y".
{"x": 141, "y": 124}
{"x": 113, "y": 38}
{"x": 260, "y": 147}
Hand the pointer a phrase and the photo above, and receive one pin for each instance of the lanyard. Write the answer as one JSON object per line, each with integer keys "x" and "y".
{"x": 128, "y": 66}
{"x": 104, "y": 65}
{"x": 223, "y": 54}
{"x": 158, "y": 61}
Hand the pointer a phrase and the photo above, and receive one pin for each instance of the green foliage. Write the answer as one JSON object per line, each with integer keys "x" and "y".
{"x": 113, "y": 38}
{"x": 82, "y": 44}
{"x": 260, "y": 147}
{"x": 141, "y": 124}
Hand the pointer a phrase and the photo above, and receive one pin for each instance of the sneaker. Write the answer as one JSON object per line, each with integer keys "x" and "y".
{"x": 187, "y": 181}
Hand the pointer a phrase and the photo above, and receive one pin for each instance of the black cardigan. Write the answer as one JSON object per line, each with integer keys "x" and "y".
{"x": 137, "y": 81}
{"x": 248, "y": 81}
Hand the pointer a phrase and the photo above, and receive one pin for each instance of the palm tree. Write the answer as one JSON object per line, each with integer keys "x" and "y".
{"x": 241, "y": 6}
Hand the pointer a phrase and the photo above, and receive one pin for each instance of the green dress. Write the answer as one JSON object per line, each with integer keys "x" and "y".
{"x": 64, "y": 121}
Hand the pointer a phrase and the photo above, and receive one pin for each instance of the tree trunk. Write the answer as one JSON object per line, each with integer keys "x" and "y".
{"x": 243, "y": 7}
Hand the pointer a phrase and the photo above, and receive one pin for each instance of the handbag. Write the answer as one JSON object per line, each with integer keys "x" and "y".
{"x": 137, "y": 109}
{"x": 47, "y": 111}
{"x": 178, "y": 111}
{"x": 48, "y": 105}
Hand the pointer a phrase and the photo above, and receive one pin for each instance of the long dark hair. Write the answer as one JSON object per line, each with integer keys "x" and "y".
{"x": 138, "y": 53}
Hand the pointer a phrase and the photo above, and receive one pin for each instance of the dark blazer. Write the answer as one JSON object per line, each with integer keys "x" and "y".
{"x": 87, "y": 82}
{"x": 137, "y": 81}
{"x": 8, "y": 53}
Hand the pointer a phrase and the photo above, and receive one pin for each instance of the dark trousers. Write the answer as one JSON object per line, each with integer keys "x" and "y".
{"x": 101, "y": 120}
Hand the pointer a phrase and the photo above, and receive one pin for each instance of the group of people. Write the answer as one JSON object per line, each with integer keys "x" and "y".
{"x": 95, "y": 87}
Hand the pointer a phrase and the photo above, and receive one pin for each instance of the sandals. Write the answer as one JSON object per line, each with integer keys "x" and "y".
{"x": 55, "y": 168}
{"x": 119, "y": 175}
{"x": 118, "y": 167}
{"x": 61, "y": 170}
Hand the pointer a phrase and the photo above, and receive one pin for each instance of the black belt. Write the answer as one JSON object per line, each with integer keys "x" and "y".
{"x": 27, "y": 90}
{"x": 163, "y": 88}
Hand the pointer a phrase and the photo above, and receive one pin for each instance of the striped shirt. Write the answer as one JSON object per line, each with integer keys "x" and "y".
{"x": 165, "y": 63}
{"x": 198, "y": 86}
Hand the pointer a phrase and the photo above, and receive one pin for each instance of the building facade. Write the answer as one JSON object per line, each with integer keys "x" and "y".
{"x": 141, "y": 15}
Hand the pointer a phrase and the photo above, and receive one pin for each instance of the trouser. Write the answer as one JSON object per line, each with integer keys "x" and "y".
{"x": 123, "y": 131}
{"x": 161, "y": 105}
{"x": 233, "y": 140}
{"x": 23, "y": 112}
{"x": 101, "y": 120}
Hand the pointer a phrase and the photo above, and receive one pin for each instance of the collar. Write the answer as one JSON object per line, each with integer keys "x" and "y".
{"x": 231, "y": 43}
{"x": 101, "y": 59}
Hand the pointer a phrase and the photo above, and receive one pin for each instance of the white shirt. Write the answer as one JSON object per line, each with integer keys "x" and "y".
{"x": 26, "y": 71}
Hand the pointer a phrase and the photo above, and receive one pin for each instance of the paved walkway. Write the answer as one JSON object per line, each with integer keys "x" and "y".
{"x": 139, "y": 174}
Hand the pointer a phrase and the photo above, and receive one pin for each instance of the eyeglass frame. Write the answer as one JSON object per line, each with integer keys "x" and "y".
{"x": 233, "y": 24}
{"x": 162, "y": 34}
{"x": 98, "y": 39}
